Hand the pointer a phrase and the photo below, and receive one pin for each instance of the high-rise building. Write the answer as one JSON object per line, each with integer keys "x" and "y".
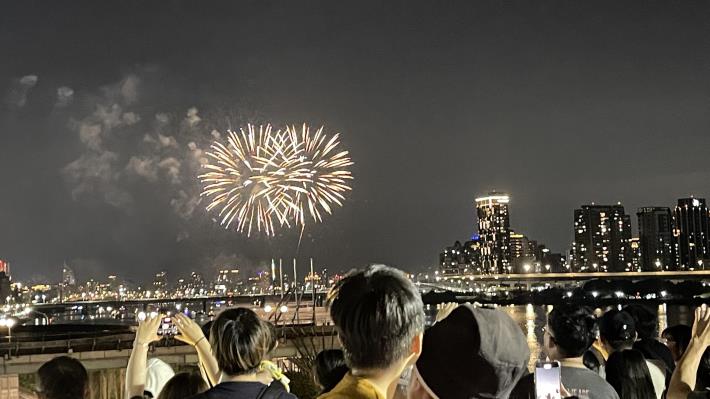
{"x": 461, "y": 258}
{"x": 635, "y": 255}
{"x": 656, "y": 243}
{"x": 602, "y": 235}
{"x": 68, "y": 277}
{"x": 692, "y": 234}
{"x": 494, "y": 232}
{"x": 522, "y": 253}
{"x": 5, "y": 288}
{"x": 160, "y": 282}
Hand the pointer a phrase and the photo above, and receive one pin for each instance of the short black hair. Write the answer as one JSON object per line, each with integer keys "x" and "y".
{"x": 240, "y": 341}
{"x": 574, "y": 329}
{"x": 329, "y": 368}
{"x": 618, "y": 329}
{"x": 645, "y": 320}
{"x": 62, "y": 378}
{"x": 183, "y": 385}
{"x": 680, "y": 334}
{"x": 377, "y": 312}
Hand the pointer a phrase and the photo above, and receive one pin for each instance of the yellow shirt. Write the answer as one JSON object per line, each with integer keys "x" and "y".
{"x": 353, "y": 388}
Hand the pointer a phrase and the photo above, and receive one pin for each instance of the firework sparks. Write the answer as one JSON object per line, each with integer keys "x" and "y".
{"x": 262, "y": 179}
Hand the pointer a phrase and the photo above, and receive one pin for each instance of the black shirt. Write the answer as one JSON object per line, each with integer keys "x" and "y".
{"x": 245, "y": 390}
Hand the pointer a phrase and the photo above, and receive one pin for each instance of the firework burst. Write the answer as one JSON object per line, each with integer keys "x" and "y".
{"x": 262, "y": 179}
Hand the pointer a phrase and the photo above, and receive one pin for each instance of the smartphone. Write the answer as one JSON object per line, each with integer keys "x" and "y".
{"x": 547, "y": 380}
{"x": 167, "y": 328}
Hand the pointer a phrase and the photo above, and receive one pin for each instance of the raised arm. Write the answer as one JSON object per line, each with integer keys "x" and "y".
{"x": 146, "y": 333}
{"x": 191, "y": 334}
{"x": 684, "y": 376}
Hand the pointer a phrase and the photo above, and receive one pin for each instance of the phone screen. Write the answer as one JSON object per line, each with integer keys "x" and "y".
{"x": 547, "y": 380}
{"x": 167, "y": 327}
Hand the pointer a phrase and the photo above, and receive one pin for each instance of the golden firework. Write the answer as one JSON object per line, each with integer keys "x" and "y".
{"x": 263, "y": 178}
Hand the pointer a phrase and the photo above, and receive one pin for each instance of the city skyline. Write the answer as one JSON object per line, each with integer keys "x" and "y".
{"x": 103, "y": 123}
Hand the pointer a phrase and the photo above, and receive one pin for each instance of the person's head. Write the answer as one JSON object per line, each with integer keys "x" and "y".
{"x": 157, "y": 374}
{"x": 183, "y": 385}
{"x": 617, "y": 330}
{"x": 329, "y": 368}
{"x": 62, "y": 378}
{"x": 627, "y": 372}
{"x": 677, "y": 339}
{"x": 379, "y": 316}
{"x": 472, "y": 353}
{"x": 570, "y": 331}
{"x": 644, "y": 320}
{"x": 240, "y": 340}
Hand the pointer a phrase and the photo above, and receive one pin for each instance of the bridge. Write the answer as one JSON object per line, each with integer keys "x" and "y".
{"x": 584, "y": 276}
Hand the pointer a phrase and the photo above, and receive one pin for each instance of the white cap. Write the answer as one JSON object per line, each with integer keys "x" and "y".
{"x": 157, "y": 374}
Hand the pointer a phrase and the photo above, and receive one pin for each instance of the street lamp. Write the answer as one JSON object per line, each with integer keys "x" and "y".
{"x": 9, "y": 323}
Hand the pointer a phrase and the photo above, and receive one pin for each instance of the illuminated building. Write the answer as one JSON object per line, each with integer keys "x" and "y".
{"x": 635, "y": 255}
{"x": 461, "y": 258}
{"x": 656, "y": 244}
{"x": 602, "y": 236}
{"x": 5, "y": 267}
{"x": 692, "y": 233}
{"x": 68, "y": 277}
{"x": 494, "y": 232}
{"x": 227, "y": 281}
{"x": 160, "y": 283}
{"x": 523, "y": 253}
{"x": 5, "y": 289}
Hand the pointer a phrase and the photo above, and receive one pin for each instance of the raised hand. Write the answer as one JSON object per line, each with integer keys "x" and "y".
{"x": 701, "y": 325}
{"x": 190, "y": 332}
{"x": 147, "y": 330}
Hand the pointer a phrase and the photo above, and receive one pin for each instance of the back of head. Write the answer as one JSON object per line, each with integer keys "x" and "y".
{"x": 473, "y": 353}
{"x": 617, "y": 329}
{"x": 573, "y": 328}
{"x": 157, "y": 374}
{"x": 703, "y": 374}
{"x": 62, "y": 378}
{"x": 183, "y": 385}
{"x": 644, "y": 320}
{"x": 329, "y": 368}
{"x": 377, "y": 312}
{"x": 679, "y": 334}
{"x": 627, "y": 372}
{"x": 240, "y": 341}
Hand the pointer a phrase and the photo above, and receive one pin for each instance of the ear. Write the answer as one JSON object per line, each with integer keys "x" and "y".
{"x": 418, "y": 344}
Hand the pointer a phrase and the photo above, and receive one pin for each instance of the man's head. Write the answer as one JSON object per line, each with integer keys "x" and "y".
{"x": 645, "y": 320}
{"x": 570, "y": 331}
{"x": 240, "y": 341}
{"x": 379, "y": 316}
{"x": 62, "y": 378}
{"x": 617, "y": 330}
{"x": 472, "y": 353}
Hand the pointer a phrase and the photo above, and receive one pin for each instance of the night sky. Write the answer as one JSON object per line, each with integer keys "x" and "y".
{"x": 106, "y": 106}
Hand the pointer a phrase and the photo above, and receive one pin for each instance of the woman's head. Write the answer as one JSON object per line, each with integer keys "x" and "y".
{"x": 571, "y": 330}
{"x": 329, "y": 368}
{"x": 677, "y": 339}
{"x": 62, "y": 378}
{"x": 240, "y": 341}
{"x": 627, "y": 372}
{"x": 183, "y": 385}
{"x": 617, "y": 330}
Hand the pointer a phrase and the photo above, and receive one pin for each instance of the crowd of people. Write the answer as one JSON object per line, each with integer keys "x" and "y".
{"x": 387, "y": 353}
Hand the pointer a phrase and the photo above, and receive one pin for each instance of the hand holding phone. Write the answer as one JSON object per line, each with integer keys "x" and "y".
{"x": 547, "y": 380}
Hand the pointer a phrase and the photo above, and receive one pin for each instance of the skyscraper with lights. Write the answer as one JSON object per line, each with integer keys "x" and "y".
{"x": 494, "y": 232}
